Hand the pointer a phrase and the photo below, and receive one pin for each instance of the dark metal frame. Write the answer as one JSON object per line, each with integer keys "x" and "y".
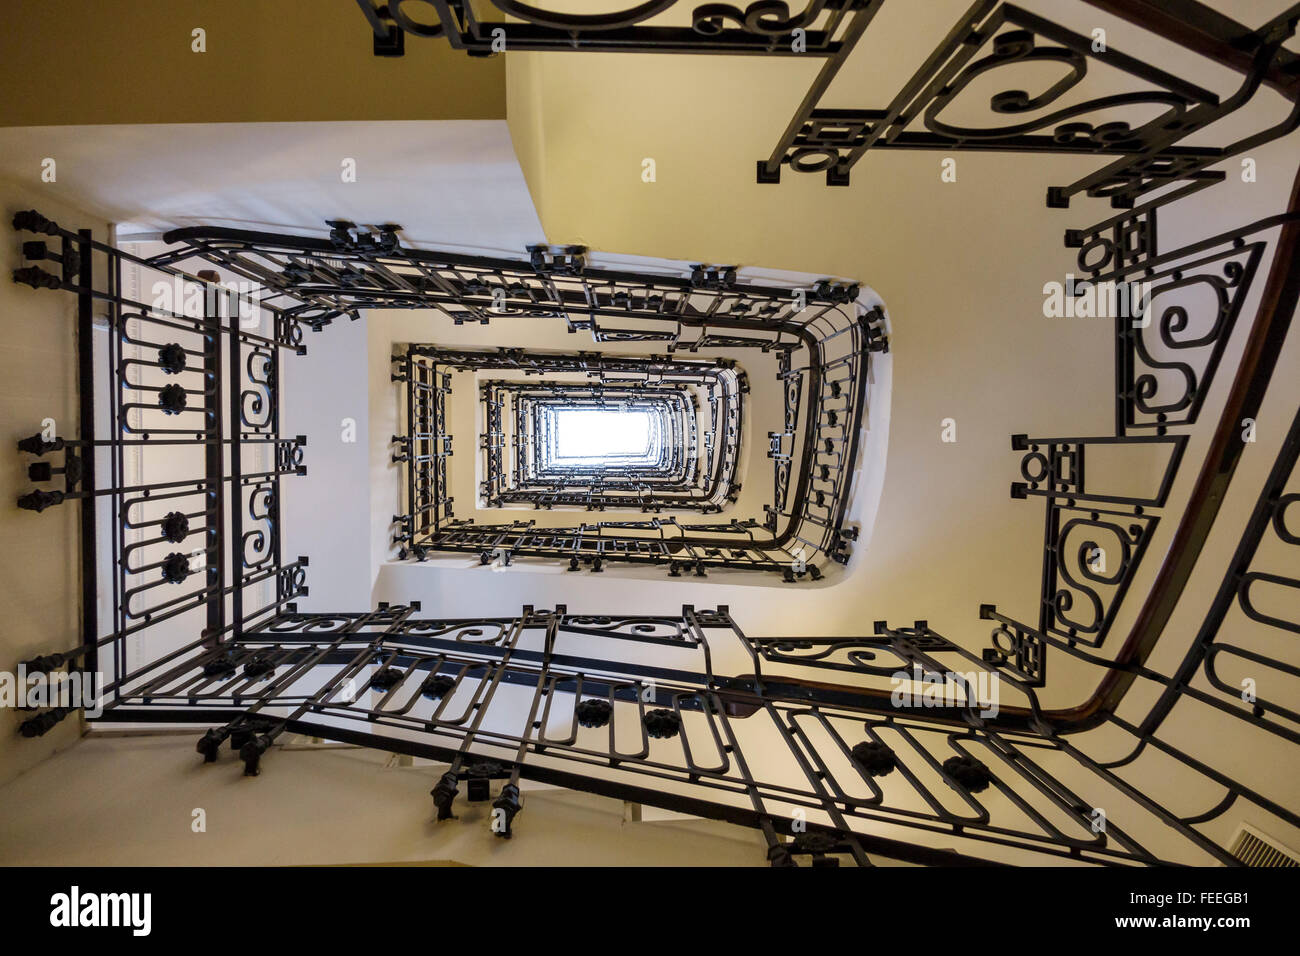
{"x": 991, "y": 35}
{"x": 519, "y": 416}
{"x": 315, "y": 281}
{"x": 630, "y": 707}
{"x": 715, "y": 28}
{"x": 192, "y": 406}
{"x": 1025, "y": 777}
{"x": 797, "y": 532}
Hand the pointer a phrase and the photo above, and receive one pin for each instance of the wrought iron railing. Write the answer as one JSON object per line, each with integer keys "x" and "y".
{"x": 814, "y": 453}
{"x": 990, "y": 37}
{"x": 428, "y": 523}
{"x": 188, "y": 473}
{"x": 822, "y": 336}
{"x": 828, "y": 27}
{"x": 835, "y": 748}
{"x": 631, "y": 707}
{"x": 520, "y": 435}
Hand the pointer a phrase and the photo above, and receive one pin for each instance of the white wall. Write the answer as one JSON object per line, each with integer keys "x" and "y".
{"x": 314, "y": 808}
{"x": 326, "y": 513}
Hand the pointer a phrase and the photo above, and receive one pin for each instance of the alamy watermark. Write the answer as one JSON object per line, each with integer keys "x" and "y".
{"x": 37, "y": 690}
{"x": 226, "y": 298}
{"x": 76, "y": 908}
{"x": 922, "y": 688}
{"x": 1077, "y": 298}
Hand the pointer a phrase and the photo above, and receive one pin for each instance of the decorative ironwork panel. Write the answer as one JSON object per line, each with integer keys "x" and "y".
{"x": 188, "y": 473}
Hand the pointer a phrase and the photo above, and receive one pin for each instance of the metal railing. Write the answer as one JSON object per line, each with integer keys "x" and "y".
{"x": 835, "y": 748}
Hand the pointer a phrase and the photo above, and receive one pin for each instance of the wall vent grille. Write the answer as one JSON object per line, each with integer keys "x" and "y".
{"x": 1256, "y": 849}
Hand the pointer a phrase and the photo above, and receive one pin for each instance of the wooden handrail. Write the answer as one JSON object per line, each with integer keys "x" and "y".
{"x": 1222, "y": 39}
{"x": 1255, "y": 371}
{"x": 1259, "y": 361}
{"x": 1208, "y": 32}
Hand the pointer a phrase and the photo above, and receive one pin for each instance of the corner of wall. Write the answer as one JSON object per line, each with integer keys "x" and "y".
{"x": 525, "y": 111}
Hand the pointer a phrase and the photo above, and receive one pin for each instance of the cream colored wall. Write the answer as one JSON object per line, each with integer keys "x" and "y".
{"x": 762, "y": 413}
{"x": 961, "y": 266}
{"x": 453, "y": 185}
{"x": 67, "y": 62}
{"x": 450, "y": 183}
{"x": 40, "y": 571}
{"x": 316, "y": 807}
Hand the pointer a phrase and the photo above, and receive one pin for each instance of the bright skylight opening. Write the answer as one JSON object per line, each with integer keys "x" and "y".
{"x": 604, "y": 435}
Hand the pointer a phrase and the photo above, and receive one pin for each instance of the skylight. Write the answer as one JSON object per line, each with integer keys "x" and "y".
{"x": 611, "y": 435}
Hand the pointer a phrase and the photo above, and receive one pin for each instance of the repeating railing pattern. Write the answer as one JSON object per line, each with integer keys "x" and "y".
{"x": 835, "y": 748}
{"x": 188, "y": 472}
{"x": 1146, "y": 127}
{"x": 422, "y": 530}
{"x": 679, "y": 478}
{"x": 796, "y": 533}
{"x": 632, "y": 707}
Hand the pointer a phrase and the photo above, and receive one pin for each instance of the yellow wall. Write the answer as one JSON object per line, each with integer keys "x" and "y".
{"x": 133, "y": 801}
{"x": 40, "y": 580}
{"x": 65, "y": 62}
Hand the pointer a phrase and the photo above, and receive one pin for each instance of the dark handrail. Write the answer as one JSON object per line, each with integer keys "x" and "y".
{"x": 1198, "y": 28}
{"x": 1208, "y": 32}
{"x": 1258, "y": 362}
